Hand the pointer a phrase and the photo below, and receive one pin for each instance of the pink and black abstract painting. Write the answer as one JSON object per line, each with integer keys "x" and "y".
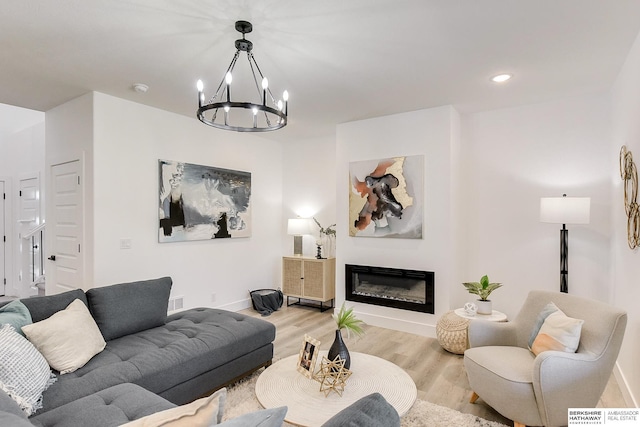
{"x": 386, "y": 198}
{"x": 202, "y": 202}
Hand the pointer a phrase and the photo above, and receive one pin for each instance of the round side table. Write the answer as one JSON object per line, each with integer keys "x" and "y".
{"x": 452, "y": 327}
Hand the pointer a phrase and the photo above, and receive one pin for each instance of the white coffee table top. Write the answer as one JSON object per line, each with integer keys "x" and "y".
{"x": 282, "y": 385}
{"x": 495, "y": 316}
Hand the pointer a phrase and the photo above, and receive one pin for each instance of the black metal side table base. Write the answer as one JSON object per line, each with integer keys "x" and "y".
{"x": 322, "y": 307}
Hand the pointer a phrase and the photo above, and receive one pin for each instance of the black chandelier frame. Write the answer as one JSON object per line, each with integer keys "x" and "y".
{"x": 274, "y": 117}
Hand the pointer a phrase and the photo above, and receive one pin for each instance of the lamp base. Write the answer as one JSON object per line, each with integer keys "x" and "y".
{"x": 297, "y": 245}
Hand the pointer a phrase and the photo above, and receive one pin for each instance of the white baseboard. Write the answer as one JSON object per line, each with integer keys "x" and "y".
{"x": 236, "y": 305}
{"x": 628, "y": 397}
{"x": 423, "y": 329}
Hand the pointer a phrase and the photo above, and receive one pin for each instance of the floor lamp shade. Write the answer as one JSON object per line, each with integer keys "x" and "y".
{"x": 297, "y": 227}
{"x": 565, "y": 210}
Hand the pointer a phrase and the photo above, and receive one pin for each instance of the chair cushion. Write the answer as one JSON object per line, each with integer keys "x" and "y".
{"x": 24, "y": 372}
{"x": 128, "y": 308}
{"x": 68, "y": 339}
{"x": 15, "y": 314}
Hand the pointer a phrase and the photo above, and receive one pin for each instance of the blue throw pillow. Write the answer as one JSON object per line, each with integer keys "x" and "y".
{"x": 15, "y": 314}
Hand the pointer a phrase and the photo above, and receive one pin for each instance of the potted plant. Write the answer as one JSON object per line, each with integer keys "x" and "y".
{"x": 325, "y": 235}
{"x": 347, "y": 320}
{"x": 483, "y": 289}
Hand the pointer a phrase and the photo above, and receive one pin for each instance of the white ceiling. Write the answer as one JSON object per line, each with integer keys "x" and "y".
{"x": 341, "y": 60}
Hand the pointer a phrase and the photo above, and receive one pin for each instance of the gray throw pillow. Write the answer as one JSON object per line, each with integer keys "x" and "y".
{"x": 15, "y": 314}
{"x": 265, "y": 418}
{"x": 128, "y": 308}
{"x": 44, "y": 307}
{"x": 370, "y": 411}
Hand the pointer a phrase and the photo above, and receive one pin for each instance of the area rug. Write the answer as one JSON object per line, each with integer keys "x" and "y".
{"x": 241, "y": 399}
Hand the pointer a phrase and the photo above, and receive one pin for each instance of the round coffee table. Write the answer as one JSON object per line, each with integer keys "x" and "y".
{"x": 282, "y": 385}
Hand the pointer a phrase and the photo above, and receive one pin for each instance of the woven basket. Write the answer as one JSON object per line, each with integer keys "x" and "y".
{"x": 451, "y": 331}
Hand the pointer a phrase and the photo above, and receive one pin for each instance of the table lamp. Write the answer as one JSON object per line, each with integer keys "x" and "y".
{"x": 565, "y": 210}
{"x": 297, "y": 227}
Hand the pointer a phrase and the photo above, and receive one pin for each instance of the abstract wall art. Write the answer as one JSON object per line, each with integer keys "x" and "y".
{"x": 386, "y": 198}
{"x": 202, "y": 202}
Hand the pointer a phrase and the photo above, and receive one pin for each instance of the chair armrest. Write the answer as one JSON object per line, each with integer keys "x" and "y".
{"x": 567, "y": 380}
{"x": 483, "y": 333}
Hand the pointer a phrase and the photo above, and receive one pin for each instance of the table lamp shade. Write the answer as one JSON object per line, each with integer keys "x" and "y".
{"x": 298, "y": 227}
{"x": 565, "y": 210}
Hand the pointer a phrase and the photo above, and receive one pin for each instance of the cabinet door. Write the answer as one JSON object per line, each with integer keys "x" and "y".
{"x": 314, "y": 278}
{"x": 292, "y": 276}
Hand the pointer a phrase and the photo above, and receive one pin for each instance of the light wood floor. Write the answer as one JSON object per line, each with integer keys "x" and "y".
{"x": 439, "y": 375}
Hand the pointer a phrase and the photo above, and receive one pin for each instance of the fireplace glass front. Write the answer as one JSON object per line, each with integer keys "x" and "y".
{"x": 391, "y": 287}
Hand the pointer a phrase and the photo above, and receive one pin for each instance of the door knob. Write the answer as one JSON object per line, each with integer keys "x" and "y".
{"x": 52, "y": 258}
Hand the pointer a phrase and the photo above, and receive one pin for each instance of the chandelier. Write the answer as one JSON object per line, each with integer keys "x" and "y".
{"x": 265, "y": 113}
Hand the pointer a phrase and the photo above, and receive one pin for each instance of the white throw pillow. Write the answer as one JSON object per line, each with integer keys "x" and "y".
{"x": 68, "y": 339}
{"x": 559, "y": 332}
{"x": 24, "y": 373}
{"x": 204, "y": 412}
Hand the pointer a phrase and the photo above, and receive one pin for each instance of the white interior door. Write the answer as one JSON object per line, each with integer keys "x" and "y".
{"x": 3, "y": 243}
{"x": 65, "y": 268}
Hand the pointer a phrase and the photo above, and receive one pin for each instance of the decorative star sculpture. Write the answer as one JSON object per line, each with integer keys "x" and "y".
{"x": 332, "y": 375}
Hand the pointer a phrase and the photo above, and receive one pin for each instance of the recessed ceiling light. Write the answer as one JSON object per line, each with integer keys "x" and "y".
{"x": 140, "y": 87}
{"x": 500, "y": 78}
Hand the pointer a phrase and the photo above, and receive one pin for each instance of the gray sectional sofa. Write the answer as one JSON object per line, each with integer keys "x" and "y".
{"x": 178, "y": 357}
{"x": 154, "y": 362}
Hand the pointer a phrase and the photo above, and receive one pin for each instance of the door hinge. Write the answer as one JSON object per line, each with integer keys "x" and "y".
{"x": 78, "y": 247}
{"x": 5, "y": 280}
{"x": 4, "y": 196}
{"x": 78, "y": 180}
{"x": 20, "y": 193}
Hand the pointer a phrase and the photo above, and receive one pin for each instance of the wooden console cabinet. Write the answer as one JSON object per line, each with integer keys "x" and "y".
{"x": 309, "y": 279}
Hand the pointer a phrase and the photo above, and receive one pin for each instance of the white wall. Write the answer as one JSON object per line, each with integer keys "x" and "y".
{"x": 625, "y": 262}
{"x": 129, "y": 139}
{"x": 512, "y": 158}
{"x": 69, "y": 137}
{"x": 308, "y": 187}
{"x": 21, "y": 156}
{"x": 431, "y": 133}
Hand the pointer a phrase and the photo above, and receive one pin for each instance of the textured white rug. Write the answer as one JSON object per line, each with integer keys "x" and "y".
{"x": 241, "y": 399}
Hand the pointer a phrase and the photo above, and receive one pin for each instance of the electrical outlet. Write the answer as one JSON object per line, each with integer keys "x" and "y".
{"x": 179, "y": 303}
{"x": 172, "y": 305}
{"x": 125, "y": 243}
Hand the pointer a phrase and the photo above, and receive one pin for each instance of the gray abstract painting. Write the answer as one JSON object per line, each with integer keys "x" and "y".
{"x": 202, "y": 202}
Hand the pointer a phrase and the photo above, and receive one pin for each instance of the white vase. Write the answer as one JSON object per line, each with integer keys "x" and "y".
{"x": 484, "y": 307}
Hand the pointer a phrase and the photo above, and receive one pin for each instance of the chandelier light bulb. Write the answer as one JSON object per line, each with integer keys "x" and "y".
{"x": 255, "y": 111}
{"x": 226, "y": 108}
{"x": 285, "y": 96}
{"x": 228, "y": 78}
{"x": 200, "y": 86}
{"x": 265, "y": 83}
{"x": 280, "y": 104}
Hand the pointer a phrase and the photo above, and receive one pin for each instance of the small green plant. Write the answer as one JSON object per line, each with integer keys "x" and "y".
{"x": 482, "y": 288}
{"x": 345, "y": 319}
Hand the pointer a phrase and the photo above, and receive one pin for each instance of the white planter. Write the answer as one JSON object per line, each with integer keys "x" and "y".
{"x": 484, "y": 307}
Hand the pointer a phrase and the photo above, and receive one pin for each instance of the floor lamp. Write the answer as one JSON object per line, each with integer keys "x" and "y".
{"x": 565, "y": 210}
{"x": 297, "y": 227}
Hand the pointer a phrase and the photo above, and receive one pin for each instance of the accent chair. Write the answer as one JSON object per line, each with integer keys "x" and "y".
{"x": 538, "y": 390}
